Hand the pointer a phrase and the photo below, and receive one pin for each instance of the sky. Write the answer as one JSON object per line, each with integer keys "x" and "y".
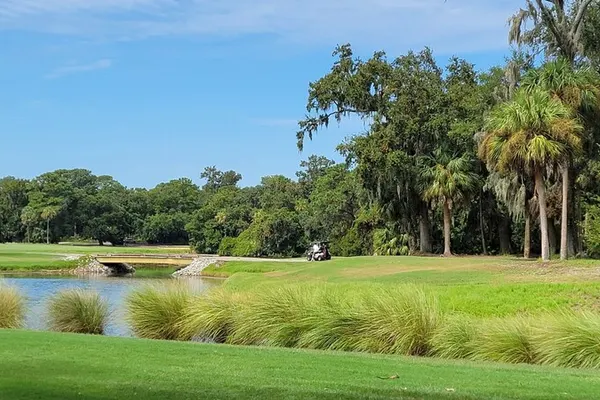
{"x": 152, "y": 90}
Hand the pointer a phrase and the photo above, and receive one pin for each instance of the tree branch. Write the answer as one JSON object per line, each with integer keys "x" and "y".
{"x": 547, "y": 16}
{"x": 577, "y": 22}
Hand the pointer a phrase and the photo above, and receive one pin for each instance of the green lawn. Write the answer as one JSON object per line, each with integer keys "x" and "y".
{"x": 33, "y": 257}
{"x": 479, "y": 286}
{"x": 42, "y": 365}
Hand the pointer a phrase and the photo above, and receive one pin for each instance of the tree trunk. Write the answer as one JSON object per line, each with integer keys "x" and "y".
{"x": 552, "y": 237}
{"x": 541, "y": 192}
{"x": 564, "y": 222}
{"x": 527, "y": 237}
{"x": 447, "y": 229}
{"x": 504, "y": 235}
{"x": 425, "y": 231}
{"x": 28, "y": 234}
{"x": 481, "y": 230}
{"x": 48, "y": 231}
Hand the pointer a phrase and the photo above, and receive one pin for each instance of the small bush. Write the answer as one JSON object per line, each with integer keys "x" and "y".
{"x": 246, "y": 245}
{"x": 211, "y": 316}
{"x": 385, "y": 243}
{"x": 157, "y": 312}
{"x": 78, "y": 311}
{"x": 454, "y": 338}
{"x": 508, "y": 340}
{"x": 570, "y": 340}
{"x": 227, "y": 246}
{"x": 12, "y": 308}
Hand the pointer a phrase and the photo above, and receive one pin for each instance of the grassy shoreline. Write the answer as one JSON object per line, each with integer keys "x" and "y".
{"x": 65, "y": 366}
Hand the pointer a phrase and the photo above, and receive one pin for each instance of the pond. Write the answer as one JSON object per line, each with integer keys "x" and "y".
{"x": 39, "y": 289}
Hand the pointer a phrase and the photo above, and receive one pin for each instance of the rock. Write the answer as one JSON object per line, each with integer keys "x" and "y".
{"x": 196, "y": 267}
{"x": 89, "y": 266}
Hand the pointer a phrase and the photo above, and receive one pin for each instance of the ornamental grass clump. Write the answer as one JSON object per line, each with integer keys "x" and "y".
{"x": 454, "y": 338}
{"x": 569, "y": 339}
{"x": 12, "y": 308}
{"x": 211, "y": 316}
{"x": 78, "y": 311}
{"x": 158, "y": 312}
{"x": 276, "y": 316}
{"x": 400, "y": 320}
{"x": 509, "y": 340}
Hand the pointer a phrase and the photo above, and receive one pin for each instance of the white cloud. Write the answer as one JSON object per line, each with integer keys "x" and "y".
{"x": 78, "y": 68}
{"x": 455, "y": 25}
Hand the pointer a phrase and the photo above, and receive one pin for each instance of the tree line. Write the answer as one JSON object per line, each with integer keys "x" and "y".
{"x": 454, "y": 160}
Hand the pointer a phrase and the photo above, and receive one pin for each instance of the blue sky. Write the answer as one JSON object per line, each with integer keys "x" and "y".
{"x": 152, "y": 90}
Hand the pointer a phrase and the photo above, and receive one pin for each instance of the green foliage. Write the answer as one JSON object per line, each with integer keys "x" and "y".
{"x": 227, "y": 213}
{"x": 12, "y": 308}
{"x": 387, "y": 244}
{"x": 78, "y": 311}
{"x": 570, "y": 340}
{"x": 227, "y": 246}
{"x": 349, "y": 245}
{"x": 592, "y": 231}
{"x": 166, "y": 228}
{"x": 157, "y": 312}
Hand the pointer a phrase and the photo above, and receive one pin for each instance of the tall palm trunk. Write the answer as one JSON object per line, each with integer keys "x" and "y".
{"x": 564, "y": 223}
{"x": 541, "y": 192}
{"x": 527, "y": 236}
{"x": 48, "y": 231}
{"x": 447, "y": 227}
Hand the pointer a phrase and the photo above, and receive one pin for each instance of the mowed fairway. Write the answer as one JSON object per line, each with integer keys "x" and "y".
{"x": 480, "y": 286}
{"x": 33, "y": 257}
{"x": 41, "y": 365}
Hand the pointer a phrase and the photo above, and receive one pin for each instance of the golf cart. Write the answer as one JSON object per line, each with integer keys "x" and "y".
{"x": 318, "y": 251}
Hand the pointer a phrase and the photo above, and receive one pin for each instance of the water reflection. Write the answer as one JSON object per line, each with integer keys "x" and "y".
{"x": 114, "y": 290}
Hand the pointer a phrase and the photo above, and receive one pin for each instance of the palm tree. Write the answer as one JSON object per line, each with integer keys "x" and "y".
{"x": 449, "y": 180}
{"x": 529, "y": 135}
{"x": 48, "y": 214}
{"x": 578, "y": 90}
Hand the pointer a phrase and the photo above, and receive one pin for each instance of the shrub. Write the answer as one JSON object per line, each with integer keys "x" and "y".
{"x": 211, "y": 316}
{"x": 157, "y": 312}
{"x": 12, "y": 308}
{"x": 227, "y": 246}
{"x": 508, "y": 340}
{"x": 455, "y": 338}
{"x": 246, "y": 245}
{"x": 78, "y": 311}
{"x": 570, "y": 340}
{"x": 349, "y": 245}
{"x": 387, "y": 244}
